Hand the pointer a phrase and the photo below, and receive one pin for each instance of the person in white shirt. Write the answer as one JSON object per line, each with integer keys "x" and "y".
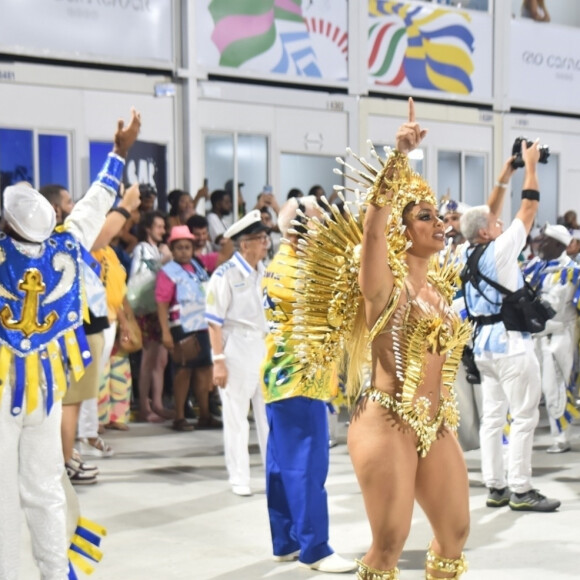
{"x": 237, "y": 328}
{"x": 149, "y": 255}
{"x": 217, "y": 218}
{"x": 509, "y": 369}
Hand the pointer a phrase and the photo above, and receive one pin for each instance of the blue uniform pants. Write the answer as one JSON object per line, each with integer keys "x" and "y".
{"x": 296, "y": 470}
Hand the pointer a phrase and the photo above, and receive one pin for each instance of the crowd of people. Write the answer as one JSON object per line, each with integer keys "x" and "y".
{"x": 212, "y": 306}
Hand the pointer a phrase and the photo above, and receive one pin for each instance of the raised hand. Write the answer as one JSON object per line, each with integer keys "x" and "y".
{"x": 531, "y": 155}
{"x": 125, "y": 136}
{"x": 410, "y": 134}
{"x": 131, "y": 199}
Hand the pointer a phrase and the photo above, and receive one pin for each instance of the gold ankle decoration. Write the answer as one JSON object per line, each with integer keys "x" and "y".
{"x": 365, "y": 572}
{"x": 457, "y": 567}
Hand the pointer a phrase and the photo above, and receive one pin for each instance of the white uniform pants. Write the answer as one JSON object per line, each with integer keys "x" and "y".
{"x": 509, "y": 383}
{"x": 244, "y": 355}
{"x": 88, "y": 423}
{"x": 555, "y": 354}
{"x": 31, "y": 468}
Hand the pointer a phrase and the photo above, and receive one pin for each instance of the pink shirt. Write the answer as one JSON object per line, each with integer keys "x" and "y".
{"x": 209, "y": 261}
{"x": 165, "y": 287}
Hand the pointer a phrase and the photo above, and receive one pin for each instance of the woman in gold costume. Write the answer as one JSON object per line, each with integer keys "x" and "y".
{"x": 401, "y": 437}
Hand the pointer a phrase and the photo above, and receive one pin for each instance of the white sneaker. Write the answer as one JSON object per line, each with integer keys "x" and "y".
{"x": 287, "y": 557}
{"x": 559, "y": 447}
{"x": 333, "y": 564}
{"x": 243, "y": 490}
{"x": 99, "y": 449}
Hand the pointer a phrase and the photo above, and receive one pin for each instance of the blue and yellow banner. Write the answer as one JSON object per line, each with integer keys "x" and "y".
{"x": 425, "y": 47}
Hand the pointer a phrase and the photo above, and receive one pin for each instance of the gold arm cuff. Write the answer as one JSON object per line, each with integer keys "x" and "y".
{"x": 388, "y": 180}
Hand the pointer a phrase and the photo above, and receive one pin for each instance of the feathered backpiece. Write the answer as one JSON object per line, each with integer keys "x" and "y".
{"x": 328, "y": 318}
{"x": 327, "y": 290}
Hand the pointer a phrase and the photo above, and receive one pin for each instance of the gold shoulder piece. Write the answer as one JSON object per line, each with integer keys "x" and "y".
{"x": 444, "y": 273}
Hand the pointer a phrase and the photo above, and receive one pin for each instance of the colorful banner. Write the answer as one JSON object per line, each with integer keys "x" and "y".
{"x": 417, "y": 47}
{"x": 299, "y": 38}
{"x": 544, "y": 66}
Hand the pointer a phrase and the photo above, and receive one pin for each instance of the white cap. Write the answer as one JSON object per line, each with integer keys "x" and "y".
{"x": 28, "y": 213}
{"x": 250, "y": 224}
{"x": 559, "y": 233}
{"x": 452, "y": 206}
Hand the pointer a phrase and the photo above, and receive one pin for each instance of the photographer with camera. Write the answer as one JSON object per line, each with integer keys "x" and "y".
{"x": 557, "y": 277}
{"x": 509, "y": 369}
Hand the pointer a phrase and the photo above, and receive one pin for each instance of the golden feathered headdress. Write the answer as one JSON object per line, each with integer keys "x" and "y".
{"x": 407, "y": 187}
{"x": 328, "y": 316}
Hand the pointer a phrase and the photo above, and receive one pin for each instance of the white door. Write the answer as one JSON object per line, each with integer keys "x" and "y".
{"x": 271, "y": 143}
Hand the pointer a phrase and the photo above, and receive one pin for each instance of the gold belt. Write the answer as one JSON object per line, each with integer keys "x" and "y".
{"x": 416, "y": 416}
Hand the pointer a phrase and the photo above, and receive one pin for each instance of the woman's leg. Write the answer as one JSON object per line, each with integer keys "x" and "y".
{"x": 159, "y": 362}
{"x": 151, "y": 373}
{"x": 442, "y": 490}
{"x": 68, "y": 428}
{"x": 202, "y": 384}
{"x": 145, "y": 380}
{"x": 180, "y": 389}
{"x": 384, "y": 457}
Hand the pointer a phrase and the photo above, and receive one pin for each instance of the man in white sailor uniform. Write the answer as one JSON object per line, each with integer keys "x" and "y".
{"x": 237, "y": 328}
{"x": 558, "y": 278}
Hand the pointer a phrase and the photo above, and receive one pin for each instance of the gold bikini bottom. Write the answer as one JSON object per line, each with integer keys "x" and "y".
{"x": 416, "y": 415}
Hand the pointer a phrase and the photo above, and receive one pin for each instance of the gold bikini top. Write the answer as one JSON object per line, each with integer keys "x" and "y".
{"x": 417, "y": 328}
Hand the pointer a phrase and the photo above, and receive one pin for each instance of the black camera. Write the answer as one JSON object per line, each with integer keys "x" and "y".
{"x": 471, "y": 371}
{"x": 517, "y": 152}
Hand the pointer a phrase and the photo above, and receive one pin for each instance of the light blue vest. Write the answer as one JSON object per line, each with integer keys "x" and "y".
{"x": 495, "y": 339}
{"x": 190, "y": 294}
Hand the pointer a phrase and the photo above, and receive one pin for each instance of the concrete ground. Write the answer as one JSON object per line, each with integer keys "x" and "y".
{"x": 170, "y": 515}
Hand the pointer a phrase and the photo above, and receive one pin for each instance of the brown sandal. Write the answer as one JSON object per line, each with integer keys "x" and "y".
{"x": 117, "y": 426}
{"x": 208, "y": 423}
{"x": 182, "y": 425}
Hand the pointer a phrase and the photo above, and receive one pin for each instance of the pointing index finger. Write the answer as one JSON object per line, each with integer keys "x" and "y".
{"x": 411, "y": 110}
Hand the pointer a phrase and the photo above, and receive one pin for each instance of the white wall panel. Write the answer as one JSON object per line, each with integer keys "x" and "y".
{"x": 87, "y": 115}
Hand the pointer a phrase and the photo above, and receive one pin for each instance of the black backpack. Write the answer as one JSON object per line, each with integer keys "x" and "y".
{"x": 522, "y": 310}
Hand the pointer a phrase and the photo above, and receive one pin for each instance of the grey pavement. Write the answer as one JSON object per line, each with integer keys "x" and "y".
{"x": 170, "y": 515}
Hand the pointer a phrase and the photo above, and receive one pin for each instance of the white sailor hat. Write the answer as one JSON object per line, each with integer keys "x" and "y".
{"x": 28, "y": 213}
{"x": 559, "y": 233}
{"x": 250, "y": 224}
{"x": 452, "y": 206}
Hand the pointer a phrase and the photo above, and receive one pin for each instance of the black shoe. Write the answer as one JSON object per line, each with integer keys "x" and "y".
{"x": 215, "y": 404}
{"x": 498, "y": 497}
{"x": 533, "y": 501}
